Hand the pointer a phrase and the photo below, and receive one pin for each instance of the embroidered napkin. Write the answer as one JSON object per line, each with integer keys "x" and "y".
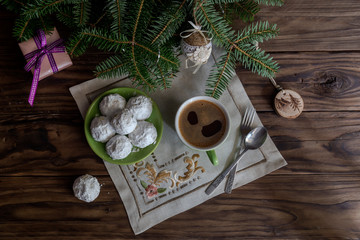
{"x": 174, "y": 177}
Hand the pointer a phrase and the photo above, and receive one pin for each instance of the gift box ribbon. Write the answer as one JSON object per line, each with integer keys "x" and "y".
{"x": 36, "y": 57}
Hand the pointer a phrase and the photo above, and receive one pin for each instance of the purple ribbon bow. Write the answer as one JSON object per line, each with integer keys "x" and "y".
{"x": 36, "y": 57}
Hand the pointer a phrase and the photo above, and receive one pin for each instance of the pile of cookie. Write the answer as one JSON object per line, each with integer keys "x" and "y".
{"x": 123, "y": 124}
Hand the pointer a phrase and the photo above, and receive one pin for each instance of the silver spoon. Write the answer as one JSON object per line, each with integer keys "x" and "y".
{"x": 253, "y": 140}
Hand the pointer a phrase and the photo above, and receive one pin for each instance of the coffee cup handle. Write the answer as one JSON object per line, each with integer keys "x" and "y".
{"x": 212, "y": 156}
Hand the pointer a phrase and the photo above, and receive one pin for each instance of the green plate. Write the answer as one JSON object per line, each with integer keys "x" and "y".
{"x": 99, "y": 148}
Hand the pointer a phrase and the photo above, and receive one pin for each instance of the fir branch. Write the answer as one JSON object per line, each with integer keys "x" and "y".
{"x": 73, "y": 46}
{"x": 211, "y": 20}
{"x": 255, "y": 59}
{"x": 117, "y": 10}
{"x": 114, "y": 66}
{"x": 66, "y": 16}
{"x": 138, "y": 73}
{"x": 221, "y": 75}
{"x": 20, "y": 28}
{"x": 259, "y": 32}
{"x": 246, "y": 10}
{"x": 24, "y": 28}
{"x": 168, "y": 22}
{"x": 271, "y": 2}
{"x": 139, "y": 16}
{"x": 37, "y": 8}
{"x": 13, "y": 5}
{"x": 162, "y": 76}
{"x": 137, "y": 19}
{"x": 98, "y": 20}
{"x": 81, "y": 12}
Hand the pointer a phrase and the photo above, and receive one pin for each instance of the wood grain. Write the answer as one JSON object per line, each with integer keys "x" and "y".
{"x": 281, "y": 207}
{"x": 326, "y": 81}
{"x": 57, "y": 146}
{"x": 316, "y": 196}
{"x": 307, "y": 25}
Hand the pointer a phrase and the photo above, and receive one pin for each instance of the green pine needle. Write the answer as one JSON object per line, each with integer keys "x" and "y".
{"x": 221, "y": 75}
{"x": 143, "y": 35}
{"x": 82, "y": 12}
{"x": 117, "y": 9}
{"x": 258, "y": 31}
{"x": 245, "y": 10}
{"x": 271, "y": 2}
{"x": 167, "y": 23}
{"x": 256, "y": 60}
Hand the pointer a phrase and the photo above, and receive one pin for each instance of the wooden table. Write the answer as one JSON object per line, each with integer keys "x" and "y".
{"x": 317, "y": 196}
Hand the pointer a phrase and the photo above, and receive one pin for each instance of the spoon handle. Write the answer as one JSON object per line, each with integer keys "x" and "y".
{"x": 222, "y": 176}
{"x": 230, "y": 181}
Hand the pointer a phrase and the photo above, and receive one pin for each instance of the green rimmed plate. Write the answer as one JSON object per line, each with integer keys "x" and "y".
{"x": 99, "y": 148}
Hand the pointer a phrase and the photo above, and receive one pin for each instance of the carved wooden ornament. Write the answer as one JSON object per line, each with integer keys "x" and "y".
{"x": 288, "y": 104}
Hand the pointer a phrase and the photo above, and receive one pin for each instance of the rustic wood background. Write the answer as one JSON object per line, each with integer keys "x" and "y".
{"x": 317, "y": 196}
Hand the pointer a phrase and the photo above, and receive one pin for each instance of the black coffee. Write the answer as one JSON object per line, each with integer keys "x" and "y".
{"x": 202, "y": 123}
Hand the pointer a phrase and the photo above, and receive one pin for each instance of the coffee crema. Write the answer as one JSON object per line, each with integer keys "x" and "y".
{"x": 202, "y": 123}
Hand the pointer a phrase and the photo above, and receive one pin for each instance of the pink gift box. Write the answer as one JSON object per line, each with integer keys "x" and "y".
{"x": 62, "y": 59}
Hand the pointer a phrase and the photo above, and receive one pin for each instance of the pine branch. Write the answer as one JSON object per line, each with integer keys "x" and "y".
{"x": 82, "y": 12}
{"x": 221, "y": 75}
{"x": 21, "y": 30}
{"x": 165, "y": 82}
{"x": 252, "y": 58}
{"x": 140, "y": 72}
{"x": 75, "y": 46}
{"x": 211, "y": 20}
{"x": 37, "y": 8}
{"x": 255, "y": 59}
{"x": 13, "y": 5}
{"x": 259, "y": 32}
{"x": 140, "y": 34}
{"x": 139, "y": 16}
{"x": 168, "y": 22}
{"x": 271, "y": 2}
{"x": 112, "y": 67}
{"x": 246, "y": 10}
{"x": 24, "y": 28}
{"x": 98, "y": 20}
{"x": 117, "y": 9}
{"x": 66, "y": 16}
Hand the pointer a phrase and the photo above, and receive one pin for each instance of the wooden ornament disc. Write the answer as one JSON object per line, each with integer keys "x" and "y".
{"x": 288, "y": 104}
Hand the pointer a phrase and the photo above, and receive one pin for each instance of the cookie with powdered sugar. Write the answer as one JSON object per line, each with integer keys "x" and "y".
{"x": 86, "y": 188}
{"x": 101, "y": 129}
{"x": 144, "y": 134}
{"x": 112, "y": 104}
{"x": 124, "y": 122}
{"x": 140, "y": 106}
{"x": 118, "y": 147}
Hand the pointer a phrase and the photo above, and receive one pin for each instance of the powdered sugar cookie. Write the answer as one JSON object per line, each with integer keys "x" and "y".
{"x": 140, "y": 106}
{"x": 112, "y": 104}
{"x": 118, "y": 147}
{"x": 144, "y": 134}
{"x": 124, "y": 122}
{"x": 101, "y": 129}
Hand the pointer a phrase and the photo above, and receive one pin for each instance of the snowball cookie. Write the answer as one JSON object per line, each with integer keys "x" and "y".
{"x": 112, "y": 104}
{"x": 124, "y": 122}
{"x": 140, "y": 106}
{"x": 101, "y": 129}
{"x": 86, "y": 188}
{"x": 118, "y": 147}
{"x": 144, "y": 134}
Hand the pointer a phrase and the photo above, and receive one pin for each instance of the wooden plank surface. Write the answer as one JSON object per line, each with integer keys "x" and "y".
{"x": 307, "y": 25}
{"x": 276, "y": 206}
{"x": 316, "y": 196}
